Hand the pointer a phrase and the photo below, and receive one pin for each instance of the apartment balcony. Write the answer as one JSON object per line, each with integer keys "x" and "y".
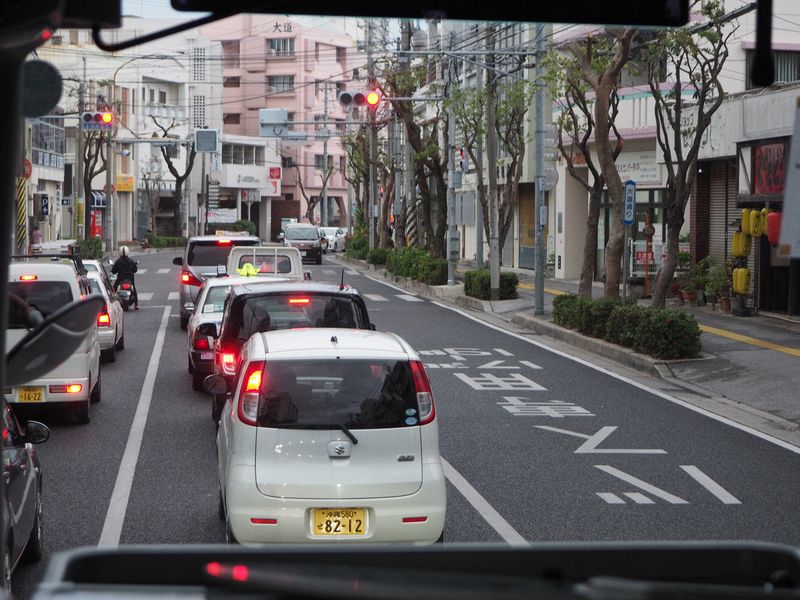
{"x": 164, "y": 111}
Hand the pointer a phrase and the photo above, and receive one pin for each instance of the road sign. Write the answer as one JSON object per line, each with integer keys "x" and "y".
{"x": 45, "y": 205}
{"x": 629, "y": 210}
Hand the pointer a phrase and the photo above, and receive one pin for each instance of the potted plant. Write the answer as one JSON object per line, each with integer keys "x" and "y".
{"x": 694, "y": 281}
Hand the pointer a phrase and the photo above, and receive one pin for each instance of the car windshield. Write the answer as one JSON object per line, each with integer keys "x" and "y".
{"x": 266, "y": 263}
{"x": 215, "y": 298}
{"x": 213, "y": 253}
{"x": 359, "y": 394}
{"x": 301, "y": 233}
{"x": 289, "y": 311}
{"x": 45, "y": 296}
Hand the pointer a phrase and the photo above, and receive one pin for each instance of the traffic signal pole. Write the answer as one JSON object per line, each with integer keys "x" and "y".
{"x": 452, "y": 231}
{"x": 323, "y": 201}
{"x": 373, "y": 144}
{"x": 541, "y": 216}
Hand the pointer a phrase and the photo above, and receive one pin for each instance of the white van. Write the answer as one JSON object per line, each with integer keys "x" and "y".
{"x": 47, "y": 286}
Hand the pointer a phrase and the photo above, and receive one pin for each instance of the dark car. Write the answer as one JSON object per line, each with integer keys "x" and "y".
{"x": 306, "y": 238}
{"x": 201, "y": 257}
{"x": 258, "y": 307}
{"x": 22, "y": 478}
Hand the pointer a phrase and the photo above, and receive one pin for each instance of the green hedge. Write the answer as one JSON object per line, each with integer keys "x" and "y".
{"x": 356, "y": 246}
{"x": 378, "y": 256}
{"x": 433, "y": 271}
{"x": 478, "y": 285}
{"x": 406, "y": 261}
{"x": 662, "y": 333}
{"x": 91, "y": 248}
{"x": 165, "y": 241}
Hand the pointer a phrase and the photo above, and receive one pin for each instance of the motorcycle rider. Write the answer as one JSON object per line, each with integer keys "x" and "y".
{"x": 124, "y": 268}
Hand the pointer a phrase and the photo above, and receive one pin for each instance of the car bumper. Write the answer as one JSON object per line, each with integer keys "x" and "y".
{"x": 384, "y": 516}
{"x": 200, "y": 364}
{"x": 106, "y": 338}
{"x": 48, "y": 397}
{"x": 313, "y": 254}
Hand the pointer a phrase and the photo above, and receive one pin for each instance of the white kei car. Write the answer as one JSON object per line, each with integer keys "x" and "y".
{"x": 330, "y": 435}
{"x": 110, "y": 321}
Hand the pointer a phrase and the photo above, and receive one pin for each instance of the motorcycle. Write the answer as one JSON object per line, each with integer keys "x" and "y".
{"x": 125, "y": 294}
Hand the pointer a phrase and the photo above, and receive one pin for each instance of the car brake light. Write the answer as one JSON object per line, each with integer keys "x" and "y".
{"x": 427, "y": 410}
{"x": 228, "y": 362}
{"x": 201, "y": 343}
{"x": 187, "y": 278}
{"x": 103, "y": 319}
{"x": 28, "y": 277}
{"x": 125, "y": 285}
{"x": 72, "y": 388}
{"x": 299, "y": 301}
{"x": 250, "y": 393}
{"x": 223, "y": 242}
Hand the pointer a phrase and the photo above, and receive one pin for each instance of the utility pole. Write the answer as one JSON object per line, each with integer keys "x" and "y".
{"x": 541, "y": 210}
{"x": 108, "y": 229}
{"x": 491, "y": 157}
{"x": 397, "y": 210}
{"x": 452, "y": 231}
{"x": 87, "y": 206}
{"x": 323, "y": 202}
{"x": 373, "y": 143}
{"x": 408, "y": 172}
{"x": 204, "y": 193}
{"x": 479, "y": 168}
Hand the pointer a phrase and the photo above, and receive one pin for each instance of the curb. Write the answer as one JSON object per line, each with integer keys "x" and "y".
{"x": 440, "y": 291}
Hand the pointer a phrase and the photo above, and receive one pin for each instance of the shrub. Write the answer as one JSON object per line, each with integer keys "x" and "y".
{"x": 356, "y": 246}
{"x": 597, "y": 315}
{"x": 406, "y": 262}
{"x": 378, "y": 256}
{"x": 245, "y": 225}
{"x": 669, "y": 333}
{"x": 165, "y": 241}
{"x": 478, "y": 285}
{"x": 91, "y": 248}
{"x": 433, "y": 271}
{"x": 571, "y": 311}
{"x": 624, "y": 324}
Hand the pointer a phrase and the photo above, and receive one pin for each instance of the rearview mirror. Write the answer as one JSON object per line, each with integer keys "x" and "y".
{"x": 36, "y": 433}
{"x": 208, "y": 329}
{"x": 215, "y": 384}
{"x": 177, "y": 261}
{"x": 52, "y": 341}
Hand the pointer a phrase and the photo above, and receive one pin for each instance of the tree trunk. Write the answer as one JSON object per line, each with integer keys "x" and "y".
{"x": 590, "y": 244}
{"x": 667, "y": 271}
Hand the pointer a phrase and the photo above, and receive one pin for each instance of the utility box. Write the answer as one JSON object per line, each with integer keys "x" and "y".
{"x": 454, "y": 247}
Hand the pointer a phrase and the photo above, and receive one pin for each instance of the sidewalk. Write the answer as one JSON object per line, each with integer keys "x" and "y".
{"x": 752, "y": 363}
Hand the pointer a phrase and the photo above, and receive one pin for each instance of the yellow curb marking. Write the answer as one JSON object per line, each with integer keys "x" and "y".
{"x": 750, "y": 340}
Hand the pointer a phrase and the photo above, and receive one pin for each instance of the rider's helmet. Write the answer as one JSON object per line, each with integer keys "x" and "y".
{"x": 124, "y": 250}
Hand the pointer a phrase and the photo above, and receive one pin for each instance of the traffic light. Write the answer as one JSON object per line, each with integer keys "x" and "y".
{"x": 101, "y": 120}
{"x": 460, "y": 162}
{"x": 368, "y": 98}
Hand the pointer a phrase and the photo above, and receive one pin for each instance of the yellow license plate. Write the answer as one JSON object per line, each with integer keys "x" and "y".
{"x": 31, "y": 394}
{"x": 340, "y": 521}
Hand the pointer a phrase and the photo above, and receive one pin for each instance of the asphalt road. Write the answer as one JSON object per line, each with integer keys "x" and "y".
{"x": 538, "y": 446}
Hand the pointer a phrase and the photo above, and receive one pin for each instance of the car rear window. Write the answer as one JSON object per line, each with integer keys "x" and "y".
{"x": 46, "y": 296}
{"x": 215, "y": 299}
{"x": 287, "y": 311}
{"x": 302, "y": 233}
{"x": 328, "y": 393}
{"x": 96, "y": 286}
{"x": 212, "y": 253}
{"x": 266, "y": 264}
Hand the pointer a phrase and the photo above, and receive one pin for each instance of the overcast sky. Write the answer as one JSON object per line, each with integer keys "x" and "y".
{"x": 158, "y": 9}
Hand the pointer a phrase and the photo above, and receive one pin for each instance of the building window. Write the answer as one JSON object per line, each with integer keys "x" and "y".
{"x": 260, "y": 156}
{"x": 227, "y": 154}
{"x": 280, "y": 47}
{"x": 287, "y": 162}
{"x": 341, "y": 55}
{"x": 319, "y": 162}
{"x": 786, "y": 64}
{"x": 230, "y": 54}
{"x": 152, "y": 95}
{"x": 171, "y": 150}
{"x": 280, "y": 84}
{"x": 162, "y": 97}
{"x": 231, "y": 82}
{"x": 199, "y": 112}
{"x": 199, "y": 64}
{"x": 290, "y": 118}
{"x": 316, "y": 50}
{"x": 144, "y": 95}
{"x": 231, "y": 118}
{"x": 342, "y": 164}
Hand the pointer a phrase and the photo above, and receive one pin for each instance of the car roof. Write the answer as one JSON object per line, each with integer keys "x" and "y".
{"x": 214, "y": 238}
{"x": 313, "y": 341}
{"x": 289, "y": 286}
{"x": 57, "y": 271}
{"x": 301, "y": 225}
{"x": 238, "y": 281}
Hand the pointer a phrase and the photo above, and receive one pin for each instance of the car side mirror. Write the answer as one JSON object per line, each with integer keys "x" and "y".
{"x": 281, "y": 235}
{"x": 215, "y": 384}
{"x": 208, "y": 329}
{"x": 178, "y": 260}
{"x": 36, "y": 432}
{"x": 307, "y": 275}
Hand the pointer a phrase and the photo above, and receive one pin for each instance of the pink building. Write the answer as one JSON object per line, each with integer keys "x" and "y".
{"x": 291, "y": 63}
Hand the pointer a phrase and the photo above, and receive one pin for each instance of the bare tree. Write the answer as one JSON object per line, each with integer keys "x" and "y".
{"x": 355, "y": 147}
{"x": 152, "y": 177}
{"x": 95, "y": 162}
{"x": 575, "y": 134}
{"x": 684, "y": 109}
{"x": 180, "y": 178}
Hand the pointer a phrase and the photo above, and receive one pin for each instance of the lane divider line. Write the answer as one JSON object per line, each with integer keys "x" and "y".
{"x": 479, "y": 503}
{"x": 118, "y": 505}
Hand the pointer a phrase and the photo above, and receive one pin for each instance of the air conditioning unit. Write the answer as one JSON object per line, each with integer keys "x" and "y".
{"x": 272, "y": 52}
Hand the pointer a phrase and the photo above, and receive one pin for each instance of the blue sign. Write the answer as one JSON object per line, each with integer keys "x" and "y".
{"x": 629, "y": 209}
{"x": 45, "y": 206}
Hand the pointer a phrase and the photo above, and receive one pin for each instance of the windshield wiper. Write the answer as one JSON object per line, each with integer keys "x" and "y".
{"x": 348, "y": 433}
{"x": 340, "y": 426}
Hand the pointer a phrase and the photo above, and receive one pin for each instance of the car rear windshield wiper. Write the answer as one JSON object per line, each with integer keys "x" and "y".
{"x": 340, "y": 426}
{"x": 375, "y": 583}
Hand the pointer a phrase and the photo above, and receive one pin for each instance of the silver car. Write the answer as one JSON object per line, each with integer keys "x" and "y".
{"x": 335, "y": 237}
{"x": 110, "y": 321}
{"x": 201, "y": 257}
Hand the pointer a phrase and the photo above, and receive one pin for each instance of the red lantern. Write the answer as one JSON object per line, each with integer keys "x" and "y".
{"x": 774, "y": 228}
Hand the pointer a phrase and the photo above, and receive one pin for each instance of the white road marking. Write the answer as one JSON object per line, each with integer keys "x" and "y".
{"x": 352, "y": 272}
{"x": 486, "y": 510}
{"x": 642, "y": 485}
{"x": 503, "y": 352}
{"x": 118, "y": 505}
{"x": 174, "y": 296}
{"x": 145, "y": 296}
{"x": 590, "y": 446}
{"x": 610, "y": 498}
{"x": 329, "y": 271}
{"x": 163, "y": 271}
{"x": 639, "y": 498}
{"x": 663, "y": 395}
{"x": 141, "y": 271}
{"x": 712, "y": 486}
{"x": 408, "y": 297}
{"x": 394, "y": 287}
{"x": 528, "y": 363}
{"x": 376, "y": 297}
